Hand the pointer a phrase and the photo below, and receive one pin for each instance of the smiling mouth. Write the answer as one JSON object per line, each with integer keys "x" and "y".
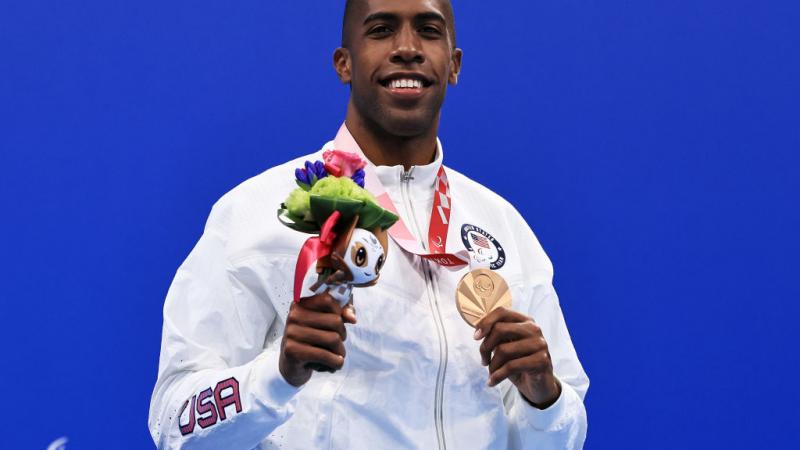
{"x": 405, "y": 83}
{"x": 406, "y": 89}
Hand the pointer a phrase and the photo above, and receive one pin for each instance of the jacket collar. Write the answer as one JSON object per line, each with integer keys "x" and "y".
{"x": 422, "y": 177}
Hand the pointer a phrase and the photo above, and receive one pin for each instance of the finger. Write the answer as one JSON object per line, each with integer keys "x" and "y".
{"x": 320, "y": 367}
{"x": 506, "y": 332}
{"x": 508, "y": 351}
{"x": 328, "y": 340}
{"x": 349, "y": 313}
{"x": 321, "y": 303}
{"x": 308, "y": 354}
{"x": 501, "y": 314}
{"x": 530, "y": 363}
{"x": 318, "y": 320}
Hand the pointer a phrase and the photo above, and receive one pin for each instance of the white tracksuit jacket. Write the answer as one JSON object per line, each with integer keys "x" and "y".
{"x": 412, "y": 376}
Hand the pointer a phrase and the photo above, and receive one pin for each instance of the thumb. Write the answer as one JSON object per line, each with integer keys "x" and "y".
{"x": 349, "y": 313}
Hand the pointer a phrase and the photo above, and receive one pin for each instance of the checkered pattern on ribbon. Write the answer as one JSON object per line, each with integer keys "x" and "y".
{"x": 440, "y": 216}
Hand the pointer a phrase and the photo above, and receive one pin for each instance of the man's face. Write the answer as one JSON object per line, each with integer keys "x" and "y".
{"x": 398, "y": 61}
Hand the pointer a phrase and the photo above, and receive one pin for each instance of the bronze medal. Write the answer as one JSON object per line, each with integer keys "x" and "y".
{"x": 479, "y": 292}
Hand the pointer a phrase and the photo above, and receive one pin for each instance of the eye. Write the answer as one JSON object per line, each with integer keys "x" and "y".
{"x": 379, "y": 30}
{"x": 379, "y": 264}
{"x": 359, "y": 255}
{"x": 430, "y": 30}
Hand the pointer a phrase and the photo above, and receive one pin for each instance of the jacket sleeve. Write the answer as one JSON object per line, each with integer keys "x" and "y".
{"x": 562, "y": 425}
{"x": 217, "y": 387}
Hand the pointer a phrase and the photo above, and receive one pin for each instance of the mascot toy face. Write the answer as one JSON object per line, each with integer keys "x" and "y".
{"x": 364, "y": 257}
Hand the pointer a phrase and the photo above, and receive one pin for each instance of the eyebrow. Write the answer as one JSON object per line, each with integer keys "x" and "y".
{"x": 380, "y": 16}
{"x": 387, "y": 16}
{"x": 422, "y": 17}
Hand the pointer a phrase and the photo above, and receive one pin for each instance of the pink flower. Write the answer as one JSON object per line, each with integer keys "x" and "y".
{"x": 342, "y": 164}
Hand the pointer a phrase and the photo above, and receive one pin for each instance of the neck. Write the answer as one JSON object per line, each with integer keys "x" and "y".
{"x": 383, "y": 148}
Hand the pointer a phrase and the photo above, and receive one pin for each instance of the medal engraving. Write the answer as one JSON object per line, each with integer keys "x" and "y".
{"x": 479, "y": 292}
{"x": 483, "y": 285}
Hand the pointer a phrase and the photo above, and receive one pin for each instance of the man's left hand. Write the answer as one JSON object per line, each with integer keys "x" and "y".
{"x": 513, "y": 347}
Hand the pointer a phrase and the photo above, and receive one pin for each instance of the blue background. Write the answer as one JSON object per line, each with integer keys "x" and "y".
{"x": 651, "y": 145}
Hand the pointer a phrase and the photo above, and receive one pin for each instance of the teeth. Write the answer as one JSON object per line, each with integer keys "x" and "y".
{"x": 405, "y": 84}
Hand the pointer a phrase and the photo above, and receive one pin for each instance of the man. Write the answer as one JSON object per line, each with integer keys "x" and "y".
{"x": 237, "y": 354}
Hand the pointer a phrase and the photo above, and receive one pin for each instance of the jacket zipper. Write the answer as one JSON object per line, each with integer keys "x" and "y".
{"x": 433, "y": 301}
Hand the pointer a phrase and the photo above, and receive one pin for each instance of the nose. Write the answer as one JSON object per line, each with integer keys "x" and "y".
{"x": 407, "y": 48}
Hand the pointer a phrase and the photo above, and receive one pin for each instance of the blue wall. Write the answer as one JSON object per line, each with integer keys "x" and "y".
{"x": 660, "y": 146}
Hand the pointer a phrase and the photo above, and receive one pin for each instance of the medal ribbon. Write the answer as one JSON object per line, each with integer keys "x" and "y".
{"x": 400, "y": 233}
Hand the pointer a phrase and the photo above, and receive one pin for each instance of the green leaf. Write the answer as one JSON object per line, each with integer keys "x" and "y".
{"x": 387, "y": 219}
{"x": 371, "y": 215}
{"x": 323, "y": 207}
{"x": 374, "y": 216}
{"x": 297, "y": 223}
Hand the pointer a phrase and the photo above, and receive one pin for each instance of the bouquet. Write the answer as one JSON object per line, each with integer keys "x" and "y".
{"x": 350, "y": 227}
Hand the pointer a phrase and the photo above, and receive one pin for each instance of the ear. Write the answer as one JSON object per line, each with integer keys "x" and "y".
{"x": 383, "y": 238}
{"x": 455, "y": 66}
{"x": 342, "y": 65}
{"x": 342, "y": 241}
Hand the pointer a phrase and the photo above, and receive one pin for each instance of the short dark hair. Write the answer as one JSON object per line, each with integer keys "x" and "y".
{"x": 448, "y": 13}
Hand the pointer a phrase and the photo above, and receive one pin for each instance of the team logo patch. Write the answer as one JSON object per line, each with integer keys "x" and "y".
{"x": 484, "y": 244}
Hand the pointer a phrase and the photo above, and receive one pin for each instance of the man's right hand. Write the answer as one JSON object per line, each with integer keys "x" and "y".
{"x": 314, "y": 337}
